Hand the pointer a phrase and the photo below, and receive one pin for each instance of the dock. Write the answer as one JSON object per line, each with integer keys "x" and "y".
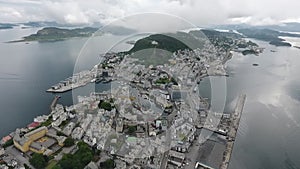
{"x": 75, "y": 81}
{"x": 233, "y": 131}
{"x": 68, "y": 87}
{"x": 54, "y": 102}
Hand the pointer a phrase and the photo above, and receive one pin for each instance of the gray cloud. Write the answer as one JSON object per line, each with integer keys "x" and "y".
{"x": 199, "y": 12}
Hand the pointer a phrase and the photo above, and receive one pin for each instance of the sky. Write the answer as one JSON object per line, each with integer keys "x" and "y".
{"x": 198, "y": 12}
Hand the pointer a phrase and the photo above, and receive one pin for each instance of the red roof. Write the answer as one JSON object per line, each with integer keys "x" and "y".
{"x": 6, "y": 138}
{"x": 33, "y": 125}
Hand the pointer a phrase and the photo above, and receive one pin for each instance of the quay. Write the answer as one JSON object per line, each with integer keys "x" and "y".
{"x": 68, "y": 87}
{"x": 233, "y": 131}
{"x": 54, "y": 102}
{"x": 75, "y": 81}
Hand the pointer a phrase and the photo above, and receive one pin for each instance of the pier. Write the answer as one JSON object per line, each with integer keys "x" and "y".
{"x": 233, "y": 131}
{"x": 54, "y": 102}
{"x": 75, "y": 81}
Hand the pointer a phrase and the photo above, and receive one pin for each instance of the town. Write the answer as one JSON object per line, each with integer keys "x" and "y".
{"x": 152, "y": 117}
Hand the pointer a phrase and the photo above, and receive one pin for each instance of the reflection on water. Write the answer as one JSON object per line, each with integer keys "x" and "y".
{"x": 27, "y": 70}
{"x": 269, "y": 128}
{"x": 269, "y": 131}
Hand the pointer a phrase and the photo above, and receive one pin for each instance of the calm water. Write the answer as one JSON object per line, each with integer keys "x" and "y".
{"x": 27, "y": 70}
{"x": 269, "y": 133}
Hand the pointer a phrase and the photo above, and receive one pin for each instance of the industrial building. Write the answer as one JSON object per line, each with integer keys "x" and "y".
{"x": 26, "y": 142}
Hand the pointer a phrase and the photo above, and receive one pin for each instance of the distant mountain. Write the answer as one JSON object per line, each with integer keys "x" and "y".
{"x": 7, "y": 25}
{"x": 218, "y": 34}
{"x": 230, "y": 26}
{"x": 42, "y": 24}
{"x": 271, "y": 36}
{"x": 37, "y": 24}
{"x": 55, "y": 24}
{"x": 117, "y": 30}
{"x": 286, "y": 27}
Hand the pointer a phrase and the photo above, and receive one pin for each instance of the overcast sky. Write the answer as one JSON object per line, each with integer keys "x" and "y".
{"x": 199, "y": 12}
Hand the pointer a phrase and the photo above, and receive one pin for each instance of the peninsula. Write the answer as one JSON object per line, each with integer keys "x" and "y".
{"x": 153, "y": 117}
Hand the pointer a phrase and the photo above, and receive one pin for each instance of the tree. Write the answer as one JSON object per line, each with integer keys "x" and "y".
{"x": 105, "y": 105}
{"x": 131, "y": 129}
{"x": 69, "y": 142}
{"x": 68, "y": 162}
{"x": 59, "y": 133}
{"x": 8, "y": 143}
{"x": 108, "y": 164}
{"x": 26, "y": 166}
{"x": 56, "y": 167}
{"x": 38, "y": 161}
{"x": 162, "y": 81}
{"x": 173, "y": 80}
{"x": 79, "y": 160}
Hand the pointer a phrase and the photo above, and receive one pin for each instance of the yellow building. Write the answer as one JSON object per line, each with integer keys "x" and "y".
{"x": 26, "y": 142}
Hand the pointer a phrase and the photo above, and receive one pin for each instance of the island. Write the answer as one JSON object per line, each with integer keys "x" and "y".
{"x": 52, "y": 34}
{"x": 268, "y": 35}
{"x": 7, "y": 25}
{"x": 57, "y": 34}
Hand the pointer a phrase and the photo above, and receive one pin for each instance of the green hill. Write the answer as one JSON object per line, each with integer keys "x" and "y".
{"x": 159, "y": 41}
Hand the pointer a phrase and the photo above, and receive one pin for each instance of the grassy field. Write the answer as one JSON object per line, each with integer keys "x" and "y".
{"x": 51, "y": 164}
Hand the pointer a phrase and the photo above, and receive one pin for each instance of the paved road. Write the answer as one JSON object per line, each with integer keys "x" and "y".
{"x": 164, "y": 161}
{"x": 192, "y": 156}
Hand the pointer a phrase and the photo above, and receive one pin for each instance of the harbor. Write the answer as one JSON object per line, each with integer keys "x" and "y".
{"x": 100, "y": 73}
{"x": 77, "y": 80}
{"x": 233, "y": 131}
{"x": 212, "y": 148}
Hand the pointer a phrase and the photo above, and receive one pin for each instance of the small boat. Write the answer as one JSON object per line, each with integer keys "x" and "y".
{"x": 255, "y": 64}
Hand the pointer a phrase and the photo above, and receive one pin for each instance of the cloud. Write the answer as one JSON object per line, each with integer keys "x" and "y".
{"x": 199, "y": 12}
{"x": 10, "y": 13}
